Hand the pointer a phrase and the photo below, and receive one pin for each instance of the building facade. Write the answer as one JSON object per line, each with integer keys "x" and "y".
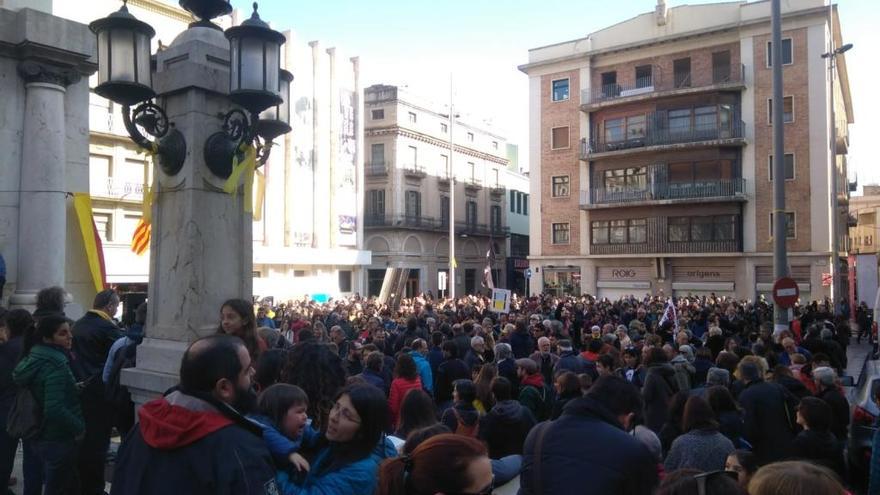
{"x": 863, "y": 211}
{"x": 651, "y": 147}
{"x": 407, "y": 194}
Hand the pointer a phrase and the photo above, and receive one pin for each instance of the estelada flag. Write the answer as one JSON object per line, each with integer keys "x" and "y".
{"x": 140, "y": 241}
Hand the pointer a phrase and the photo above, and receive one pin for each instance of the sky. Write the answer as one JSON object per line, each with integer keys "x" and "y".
{"x": 418, "y": 44}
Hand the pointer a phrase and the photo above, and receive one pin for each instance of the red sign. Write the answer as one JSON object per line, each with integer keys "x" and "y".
{"x": 826, "y": 280}
{"x": 785, "y": 292}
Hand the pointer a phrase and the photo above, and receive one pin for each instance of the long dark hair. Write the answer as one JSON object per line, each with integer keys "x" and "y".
{"x": 439, "y": 464}
{"x": 47, "y": 327}
{"x": 245, "y": 311}
{"x": 406, "y": 367}
{"x": 319, "y": 371}
{"x": 371, "y": 405}
{"x": 416, "y": 411}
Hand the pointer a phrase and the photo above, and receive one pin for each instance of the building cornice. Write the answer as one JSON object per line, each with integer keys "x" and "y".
{"x": 164, "y": 9}
{"x": 399, "y": 131}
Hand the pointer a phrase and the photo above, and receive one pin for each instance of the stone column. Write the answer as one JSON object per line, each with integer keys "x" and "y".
{"x": 43, "y": 209}
{"x": 201, "y": 247}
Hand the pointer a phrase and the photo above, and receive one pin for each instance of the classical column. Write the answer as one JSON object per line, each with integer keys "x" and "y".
{"x": 42, "y": 212}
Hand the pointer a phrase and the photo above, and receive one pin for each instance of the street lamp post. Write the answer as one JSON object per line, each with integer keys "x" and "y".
{"x": 835, "y": 208}
{"x": 780, "y": 220}
{"x": 451, "y": 280}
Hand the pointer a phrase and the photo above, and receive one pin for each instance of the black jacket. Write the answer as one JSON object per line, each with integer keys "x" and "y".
{"x": 522, "y": 344}
{"x": 92, "y": 338}
{"x": 793, "y": 385}
{"x": 9, "y": 354}
{"x": 505, "y": 427}
{"x": 466, "y": 412}
{"x": 472, "y": 359}
{"x": 617, "y": 464}
{"x": 821, "y": 448}
{"x": 767, "y": 425}
{"x": 562, "y": 401}
{"x": 569, "y": 361}
{"x": 660, "y": 386}
{"x": 450, "y": 370}
{"x": 194, "y": 448}
{"x": 839, "y": 411}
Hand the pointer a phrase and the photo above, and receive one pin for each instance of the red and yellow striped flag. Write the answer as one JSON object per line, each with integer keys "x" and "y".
{"x": 140, "y": 241}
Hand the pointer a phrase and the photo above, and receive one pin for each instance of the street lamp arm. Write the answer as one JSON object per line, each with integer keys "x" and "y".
{"x": 168, "y": 143}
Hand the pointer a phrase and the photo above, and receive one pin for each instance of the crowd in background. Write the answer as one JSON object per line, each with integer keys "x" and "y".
{"x": 559, "y": 394}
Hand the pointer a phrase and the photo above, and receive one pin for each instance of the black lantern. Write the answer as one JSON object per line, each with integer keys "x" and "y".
{"x": 255, "y": 63}
{"x": 275, "y": 120}
{"x": 123, "y": 57}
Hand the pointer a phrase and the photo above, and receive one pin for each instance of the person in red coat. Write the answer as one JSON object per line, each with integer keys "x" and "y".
{"x": 406, "y": 378}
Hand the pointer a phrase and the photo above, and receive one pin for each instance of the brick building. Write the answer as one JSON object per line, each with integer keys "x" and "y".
{"x": 651, "y": 146}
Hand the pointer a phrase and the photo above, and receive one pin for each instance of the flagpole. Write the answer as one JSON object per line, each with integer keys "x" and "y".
{"x": 451, "y": 281}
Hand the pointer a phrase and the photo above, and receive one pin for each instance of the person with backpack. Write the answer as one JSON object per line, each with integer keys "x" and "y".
{"x": 534, "y": 393}
{"x": 122, "y": 355}
{"x": 463, "y": 418}
{"x": 47, "y": 407}
{"x": 505, "y": 427}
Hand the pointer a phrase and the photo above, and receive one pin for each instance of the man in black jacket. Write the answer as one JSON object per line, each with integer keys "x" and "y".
{"x": 588, "y": 450}
{"x": 450, "y": 370}
{"x": 505, "y": 427}
{"x": 93, "y": 335}
{"x": 826, "y": 382}
{"x": 768, "y": 423}
{"x": 195, "y": 440}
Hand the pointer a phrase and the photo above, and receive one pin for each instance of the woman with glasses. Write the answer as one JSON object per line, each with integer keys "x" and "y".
{"x": 353, "y": 447}
{"x": 446, "y": 464}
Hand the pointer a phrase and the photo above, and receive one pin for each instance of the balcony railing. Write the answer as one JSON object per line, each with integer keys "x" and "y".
{"x": 657, "y": 132}
{"x": 659, "y": 189}
{"x": 657, "y": 241}
{"x": 375, "y": 169}
{"x": 473, "y": 182}
{"x": 721, "y": 75}
{"x": 414, "y": 170}
{"x": 111, "y": 187}
{"x": 418, "y": 222}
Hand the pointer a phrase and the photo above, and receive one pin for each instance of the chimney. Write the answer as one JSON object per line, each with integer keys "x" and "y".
{"x": 660, "y": 12}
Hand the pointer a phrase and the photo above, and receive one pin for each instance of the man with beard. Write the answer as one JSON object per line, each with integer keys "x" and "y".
{"x": 196, "y": 439}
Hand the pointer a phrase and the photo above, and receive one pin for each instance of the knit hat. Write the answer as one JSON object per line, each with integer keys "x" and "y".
{"x": 688, "y": 352}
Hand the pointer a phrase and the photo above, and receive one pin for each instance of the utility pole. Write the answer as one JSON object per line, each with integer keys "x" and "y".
{"x": 780, "y": 255}
{"x": 450, "y": 282}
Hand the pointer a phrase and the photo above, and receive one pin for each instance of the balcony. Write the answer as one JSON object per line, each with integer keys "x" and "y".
{"x": 657, "y": 242}
{"x": 481, "y": 229}
{"x": 497, "y": 190}
{"x": 659, "y": 190}
{"x": 431, "y": 224}
{"x": 724, "y": 78}
{"x": 473, "y": 183}
{"x": 415, "y": 171}
{"x": 659, "y": 136}
{"x": 116, "y": 188}
{"x": 376, "y": 169}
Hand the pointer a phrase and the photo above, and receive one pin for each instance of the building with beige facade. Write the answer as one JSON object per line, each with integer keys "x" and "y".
{"x": 651, "y": 148}
{"x": 407, "y": 194}
{"x": 863, "y": 211}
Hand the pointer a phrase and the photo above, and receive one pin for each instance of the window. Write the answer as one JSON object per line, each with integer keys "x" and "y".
{"x": 299, "y": 273}
{"x": 787, "y": 56}
{"x": 412, "y": 157}
{"x": 614, "y": 130}
{"x": 626, "y": 179}
{"x": 638, "y": 231}
{"x": 724, "y": 228}
{"x": 444, "y": 211}
{"x": 377, "y": 154}
{"x": 617, "y": 232}
{"x": 375, "y": 203}
{"x": 560, "y": 186}
{"x": 470, "y": 213}
{"x": 635, "y": 127}
{"x": 470, "y": 137}
{"x": 472, "y": 171}
{"x": 413, "y": 204}
{"x": 787, "y": 109}
{"x": 104, "y": 224}
{"x": 495, "y": 217}
{"x": 701, "y": 229}
{"x": 525, "y": 209}
{"x": 495, "y": 181}
{"x": 444, "y": 162}
{"x": 512, "y": 200}
{"x": 632, "y": 231}
{"x": 560, "y": 90}
{"x": 561, "y": 233}
{"x": 128, "y": 225}
{"x": 99, "y": 175}
{"x": 679, "y": 121}
{"x": 644, "y": 77}
{"x": 559, "y": 138}
{"x": 681, "y": 69}
{"x": 412, "y": 117}
{"x": 609, "y": 84}
{"x": 790, "y": 226}
{"x": 344, "y": 280}
{"x": 494, "y": 145}
{"x": 678, "y": 229}
{"x": 721, "y": 67}
{"x": 520, "y": 203}
{"x": 378, "y": 114}
{"x": 600, "y": 232}
{"x": 444, "y": 128}
{"x": 789, "y": 167}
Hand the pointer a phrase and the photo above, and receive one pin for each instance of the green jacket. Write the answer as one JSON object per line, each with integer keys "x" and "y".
{"x": 537, "y": 400}
{"x": 46, "y": 372}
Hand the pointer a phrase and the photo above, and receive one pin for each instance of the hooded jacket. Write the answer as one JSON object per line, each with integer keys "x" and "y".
{"x": 534, "y": 395}
{"x": 184, "y": 444}
{"x": 660, "y": 386}
{"x": 45, "y": 371}
{"x": 465, "y": 411}
{"x": 505, "y": 427}
{"x": 425, "y": 372}
{"x": 616, "y": 463}
{"x": 685, "y": 372}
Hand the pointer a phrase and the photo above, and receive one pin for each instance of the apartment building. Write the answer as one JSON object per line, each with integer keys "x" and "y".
{"x": 407, "y": 194}
{"x": 651, "y": 147}
{"x": 863, "y": 228}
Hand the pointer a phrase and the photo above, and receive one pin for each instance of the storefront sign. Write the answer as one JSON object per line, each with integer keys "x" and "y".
{"x": 703, "y": 273}
{"x": 624, "y": 273}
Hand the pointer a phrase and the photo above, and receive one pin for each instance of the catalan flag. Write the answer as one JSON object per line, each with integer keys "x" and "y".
{"x": 140, "y": 241}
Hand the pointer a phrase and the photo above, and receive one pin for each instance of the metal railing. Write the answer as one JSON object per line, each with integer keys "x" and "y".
{"x": 473, "y": 182}
{"x": 655, "y": 83}
{"x": 414, "y": 169}
{"x": 657, "y": 241}
{"x": 376, "y": 168}
{"x": 658, "y": 132}
{"x": 419, "y": 222}
{"x": 658, "y": 188}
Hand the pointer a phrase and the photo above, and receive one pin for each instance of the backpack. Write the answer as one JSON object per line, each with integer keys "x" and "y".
{"x": 463, "y": 429}
{"x": 25, "y": 419}
{"x": 115, "y": 392}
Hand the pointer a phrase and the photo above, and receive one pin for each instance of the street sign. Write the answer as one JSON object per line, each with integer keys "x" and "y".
{"x": 785, "y": 292}
{"x": 827, "y": 280}
{"x": 528, "y": 273}
{"x": 441, "y": 280}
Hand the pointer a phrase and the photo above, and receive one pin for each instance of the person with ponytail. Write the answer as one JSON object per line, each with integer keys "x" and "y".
{"x": 443, "y": 464}
{"x": 45, "y": 371}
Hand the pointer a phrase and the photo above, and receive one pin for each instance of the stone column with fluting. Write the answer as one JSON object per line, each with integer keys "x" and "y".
{"x": 42, "y": 234}
{"x": 201, "y": 246}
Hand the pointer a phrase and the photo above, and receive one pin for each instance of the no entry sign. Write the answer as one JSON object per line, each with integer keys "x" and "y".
{"x": 785, "y": 292}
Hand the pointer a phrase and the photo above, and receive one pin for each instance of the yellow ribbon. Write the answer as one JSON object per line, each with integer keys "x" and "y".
{"x": 247, "y": 168}
{"x": 259, "y": 195}
{"x": 147, "y": 205}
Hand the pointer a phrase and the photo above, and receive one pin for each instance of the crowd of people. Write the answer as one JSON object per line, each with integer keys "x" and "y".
{"x": 559, "y": 395}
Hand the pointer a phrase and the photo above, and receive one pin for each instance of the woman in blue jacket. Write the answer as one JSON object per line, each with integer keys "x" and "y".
{"x": 355, "y": 445}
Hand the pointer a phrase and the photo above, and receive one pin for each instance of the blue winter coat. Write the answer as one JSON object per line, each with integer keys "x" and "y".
{"x": 279, "y": 445}
{"x": 357, "y": 478}
{"x": 425, "y": 373}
